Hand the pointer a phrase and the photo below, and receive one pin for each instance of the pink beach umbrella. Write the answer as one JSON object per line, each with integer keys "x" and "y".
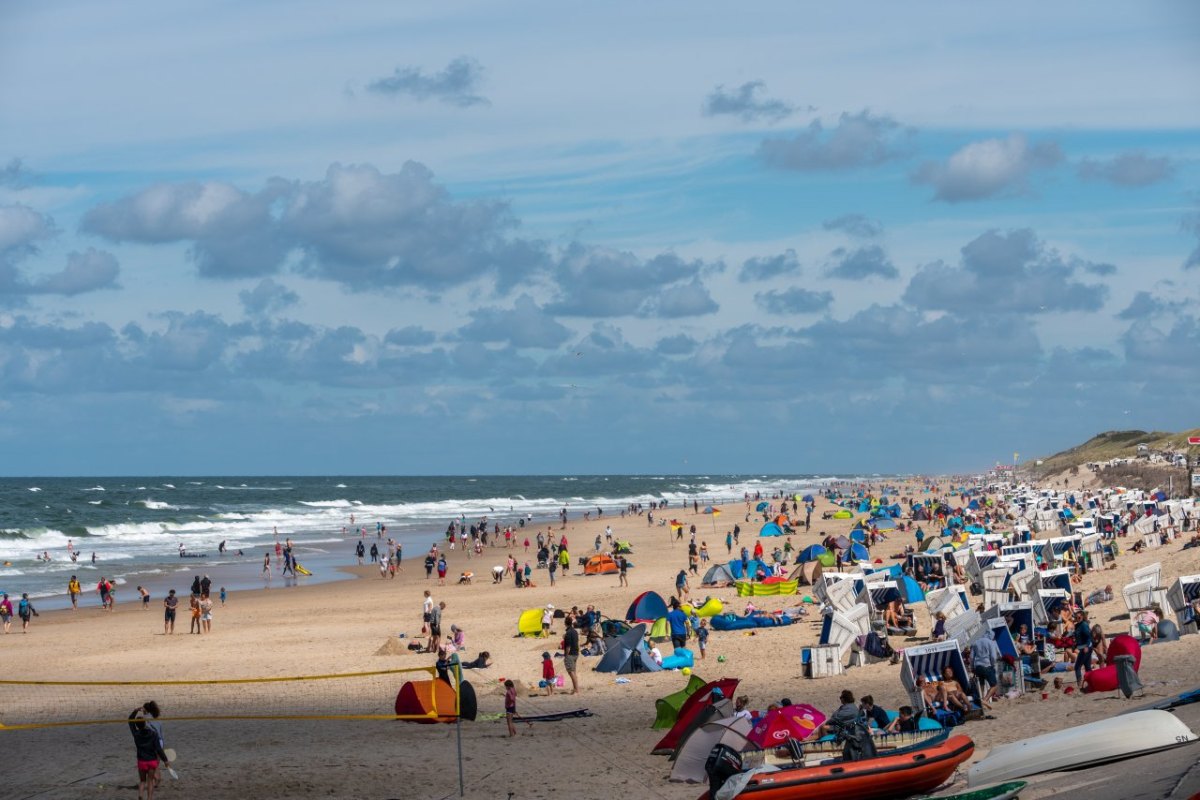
{"x": 780, "y": 724}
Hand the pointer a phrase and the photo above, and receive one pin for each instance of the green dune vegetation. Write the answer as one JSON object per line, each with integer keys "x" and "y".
{"x": 1148, "y": 468}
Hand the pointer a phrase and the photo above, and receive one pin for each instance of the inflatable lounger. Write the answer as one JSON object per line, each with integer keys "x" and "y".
{"x": 730, "y": 622}
{"x": 682, "y": 657}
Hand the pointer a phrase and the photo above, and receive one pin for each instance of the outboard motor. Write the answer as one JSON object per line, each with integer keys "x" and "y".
{"x": 723, "y": 763}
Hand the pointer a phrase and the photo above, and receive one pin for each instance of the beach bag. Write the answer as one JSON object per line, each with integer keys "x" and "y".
{"x": 877, "y": 646}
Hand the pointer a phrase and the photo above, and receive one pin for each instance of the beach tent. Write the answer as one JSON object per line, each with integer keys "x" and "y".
{"x": 530, "y": 622}
{"x": 770, "y": 529}
{"x": 692, "y": 753}
{"x": 647, "y": 607}
{"x": 910, "y": 590}
{"x": 827, "y": 559}
{"x": 666, "y": 709}
{"x": 627, "y": 653}
{"x": 842, "y": 543}
{"x": 858, "y": 535}
{"x": 859, "y": 552}
{"x": 718, "y": 575}
{"x": 435, "y": 699}
{"x": 600, "y": 565}
{"x": 692, "y": 714}
{"x": 933, "y": 544}
{"x": 807, "y": 573}
{"x": 752, "y": 568}
{"x": 884, "y": 524}
{"x": 810, "y": 553}
{"x": 660, "y": 631}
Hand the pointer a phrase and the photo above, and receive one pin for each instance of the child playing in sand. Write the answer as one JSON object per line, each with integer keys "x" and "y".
{"x": 548, "y": 672}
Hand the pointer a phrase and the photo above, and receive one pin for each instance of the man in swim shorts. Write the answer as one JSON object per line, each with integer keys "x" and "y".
{"x": 170, "y": 603}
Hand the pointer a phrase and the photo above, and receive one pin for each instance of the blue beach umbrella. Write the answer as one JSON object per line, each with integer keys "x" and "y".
{"x": 808, "y": 498}
{"x": 763, "y": 506}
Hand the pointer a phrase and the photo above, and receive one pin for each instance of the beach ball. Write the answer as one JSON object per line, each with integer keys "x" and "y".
{"x": 720, "y": 659}
{"x": 686, "y": 670}
{"x": 542, "y": 684}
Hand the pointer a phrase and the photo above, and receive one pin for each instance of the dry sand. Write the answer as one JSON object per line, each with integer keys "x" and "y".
{"x": 351, "y": 626}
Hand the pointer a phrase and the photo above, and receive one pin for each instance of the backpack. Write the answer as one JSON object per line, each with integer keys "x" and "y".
{"x": 877, "y": 646}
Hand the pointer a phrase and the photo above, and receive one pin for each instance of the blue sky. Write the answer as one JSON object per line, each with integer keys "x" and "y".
{"x": 529, "y": 237}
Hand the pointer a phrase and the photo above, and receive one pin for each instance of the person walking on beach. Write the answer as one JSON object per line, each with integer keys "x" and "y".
{"x": 25, "y": 610}
{"x": 681, "y": 584}
{"x": 170, "y": 603}
{"x": 74, "y": 590}
{"x": 267, "y": 564}
{"x": 729, "y": 542}
{"x": 564, "y": 558}
{"x": 441, "y": 570}
{"x": 702, "y": 638}
{"x": 6, "y": 614}
{"x": 623, "y": 571}
{"x": 149, "y": 751}
{"x": 102, "y": 589}
{"x": 360, "y": 551}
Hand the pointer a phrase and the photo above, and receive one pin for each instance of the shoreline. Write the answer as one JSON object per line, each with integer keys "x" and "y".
{"x": 345, "y": 626}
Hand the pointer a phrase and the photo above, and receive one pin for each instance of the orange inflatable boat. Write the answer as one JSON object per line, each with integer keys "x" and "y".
{"x": 880, "y": 778}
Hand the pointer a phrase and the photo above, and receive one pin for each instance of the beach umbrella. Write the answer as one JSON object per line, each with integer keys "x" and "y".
{"x": 810, "y": 553}
{"x": 808, "y": 498}
{"x": 763, "y": 506}
{"x": 714, "y": 513}
{"x": 780, "y": 724}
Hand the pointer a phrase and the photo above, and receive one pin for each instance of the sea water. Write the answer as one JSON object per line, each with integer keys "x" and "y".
{"x": 135, "y": 525}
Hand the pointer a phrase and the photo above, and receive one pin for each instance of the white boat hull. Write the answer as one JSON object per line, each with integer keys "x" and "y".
{"x": 1099, "y": 742}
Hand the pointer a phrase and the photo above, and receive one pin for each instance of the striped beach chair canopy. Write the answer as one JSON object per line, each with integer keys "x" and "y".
{"x": 1014, "y": 615}
{"x": 1059, "y": 578}
{"x": 929, "y": 661}
{"x": 841, "y": 629}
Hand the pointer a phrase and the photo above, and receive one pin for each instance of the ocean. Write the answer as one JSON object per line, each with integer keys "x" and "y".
{"x": 135, "y": 526}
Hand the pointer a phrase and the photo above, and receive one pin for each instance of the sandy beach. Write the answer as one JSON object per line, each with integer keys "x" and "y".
{"x": 340, "y": 627}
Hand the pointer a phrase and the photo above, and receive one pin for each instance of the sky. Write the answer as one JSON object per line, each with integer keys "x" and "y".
{"x": 542, "y": 238}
